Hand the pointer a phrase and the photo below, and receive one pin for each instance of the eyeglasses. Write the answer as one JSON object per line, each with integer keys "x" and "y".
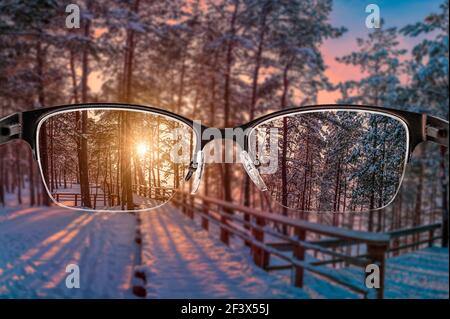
{"x": 121, "y": 157}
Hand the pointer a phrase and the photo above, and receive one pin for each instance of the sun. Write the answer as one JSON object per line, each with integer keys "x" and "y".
{"x": 141, "y": 149}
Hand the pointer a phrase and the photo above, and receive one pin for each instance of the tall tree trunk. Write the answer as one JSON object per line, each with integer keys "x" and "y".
{"x": 227, "y": 92}
{"x": 31, "y": 178}
{"x": 83, "y": 162}
{"x": 212, "y": 110}
{"x": 119, "y": 160}
{"x": 373, "y": 181}
{"x": 255, "y": 80}
{"x": 2, "y": 181}
{"x": 83, "y": 149}
{"x": 181, "y": 85}
{"x": 444, "y": 190}
{"x": 176, "y": 180}
{"x": 52, "y": 156}
{"x": 42, "y": 137}
{"x": 284, "y": 188}
{"x": 74, "y": 77}
{"x": 419, "y": 191}
{"x": 18, "y": 174}
{"x": 127, "y": 186}
{"x": 337, "y": 190}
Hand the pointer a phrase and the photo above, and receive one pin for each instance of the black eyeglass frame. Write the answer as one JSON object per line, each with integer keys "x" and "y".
{"x": 421, "y": 127}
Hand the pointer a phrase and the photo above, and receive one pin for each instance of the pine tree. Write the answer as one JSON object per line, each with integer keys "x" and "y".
{"x": 379, "y": 61}
{"x": 428, "y": 91}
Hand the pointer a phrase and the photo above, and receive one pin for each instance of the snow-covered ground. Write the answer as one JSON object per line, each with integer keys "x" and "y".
{"x": 182, "y": 261}
{"x": 67, "y": 198}
{"x": 422, "y": 274}
{"x": 36, "y": 245}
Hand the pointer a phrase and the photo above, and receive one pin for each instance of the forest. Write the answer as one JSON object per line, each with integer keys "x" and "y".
{"x": 223, "y": 62}
{"x": 113, "y": 159}
{"x": 335, "y": 161}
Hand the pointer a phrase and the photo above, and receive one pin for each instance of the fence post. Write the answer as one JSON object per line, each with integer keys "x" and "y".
{"x": 299, "y": 254}
{"x": 377, "y": 255}
{"x": 430, "y": 238}
{"x": 191, "y": 207}
{"x": 224, "y": 235}
{"x": 247, "y": 219}
{"x": 205, "y": 221}
{"x": 260, "y": 256}
{"x": 183, "y": 203}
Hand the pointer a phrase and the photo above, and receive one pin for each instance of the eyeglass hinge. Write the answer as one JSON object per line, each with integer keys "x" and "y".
{"x": 192, "y": 168}
{"x": 10, "y": 127}
{"x": 11, "y": 130}
{"x": 435, "y": 132}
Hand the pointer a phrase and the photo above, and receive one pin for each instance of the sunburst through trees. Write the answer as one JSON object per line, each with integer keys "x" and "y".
{"x": 133, "y": 158}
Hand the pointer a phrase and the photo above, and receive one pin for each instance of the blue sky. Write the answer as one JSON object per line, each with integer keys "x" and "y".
{"x": 351, "y": 14}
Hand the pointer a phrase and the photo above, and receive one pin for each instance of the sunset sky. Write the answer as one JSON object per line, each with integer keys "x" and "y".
{"x": 351, "y": 14}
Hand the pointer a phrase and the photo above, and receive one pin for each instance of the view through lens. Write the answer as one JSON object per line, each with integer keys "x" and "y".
{"x": 106, "y": 159}
{"x": 332, "y": 161}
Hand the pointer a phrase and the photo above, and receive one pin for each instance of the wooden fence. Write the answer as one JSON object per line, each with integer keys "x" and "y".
{"x": 158, "y": 193}
{"x": 75, "y": 198}
{"x": 109, "y": 200}
{"x": 258, "y": 230}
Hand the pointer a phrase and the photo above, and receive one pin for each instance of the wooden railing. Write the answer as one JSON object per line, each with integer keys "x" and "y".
{"x": 259, "y": 230}
{"x": 107, "y": 200}
{"x": 416, "y": 240}
{"x": 154, "y": 192}
{"x": 405, "y": 239}
{"x": 157, "y": 193}
{"x": 253, "y": 227}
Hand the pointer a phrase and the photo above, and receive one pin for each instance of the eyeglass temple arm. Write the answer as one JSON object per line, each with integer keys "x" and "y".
{"x": 10, "y": 128}
{"x": 436, "y": 130}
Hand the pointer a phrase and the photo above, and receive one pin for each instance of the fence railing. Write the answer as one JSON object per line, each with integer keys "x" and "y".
{"x": 259, "y": 230}
{"x": 107, "y": 200}
{"x": 251, "y": 226}
{"x": 158, "y": 193}
{"x": 415, "y": 239}
{"x": 153, "y": 192}
{"x": 103, "y": 197}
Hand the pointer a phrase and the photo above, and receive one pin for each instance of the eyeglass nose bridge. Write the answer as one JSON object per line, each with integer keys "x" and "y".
{"x": 197, "y": 166}
{"x": 207, "y": 135}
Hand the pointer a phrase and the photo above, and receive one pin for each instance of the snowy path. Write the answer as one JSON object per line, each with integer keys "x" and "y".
{"x": 182, "y": 261}
{"x": 422, "y": 274}
{"x": 36, "y": 245}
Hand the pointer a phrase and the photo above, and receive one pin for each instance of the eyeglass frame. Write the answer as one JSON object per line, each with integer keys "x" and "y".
{"x": 421, "y": 127}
